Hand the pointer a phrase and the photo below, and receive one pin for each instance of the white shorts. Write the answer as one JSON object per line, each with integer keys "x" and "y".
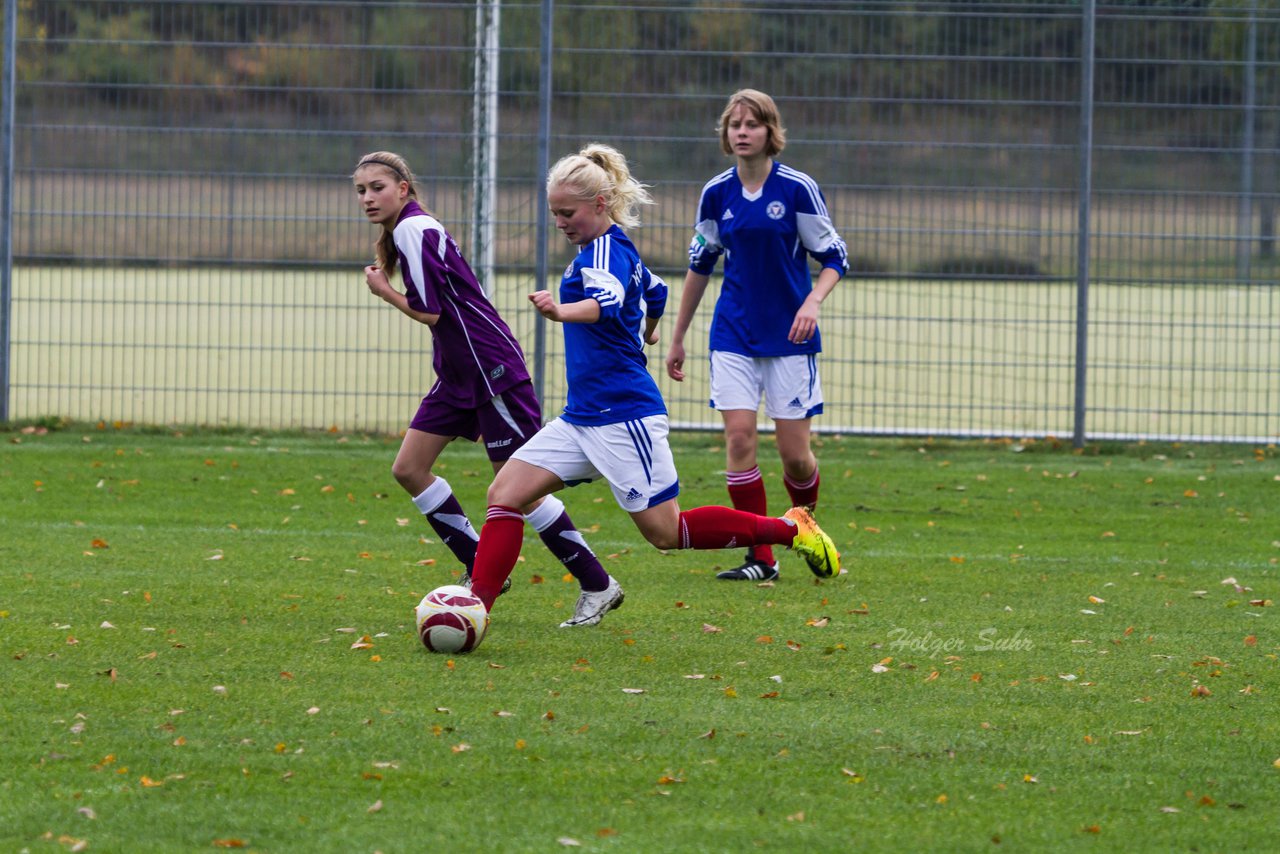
{"x": 632, "y": 456}
{"x": 789, "y": 384}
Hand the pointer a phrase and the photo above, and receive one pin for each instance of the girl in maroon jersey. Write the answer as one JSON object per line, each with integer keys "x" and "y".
{"x": 482, "y": 386}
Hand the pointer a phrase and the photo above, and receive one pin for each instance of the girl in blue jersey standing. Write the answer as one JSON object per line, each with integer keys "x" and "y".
{"x": 482, "y": 387}
{"x": 614, "y": 425}
{"x": 766, "y": 219}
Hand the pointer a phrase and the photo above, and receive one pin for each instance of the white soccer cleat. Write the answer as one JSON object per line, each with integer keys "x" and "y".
{"x": 592, "y": 607}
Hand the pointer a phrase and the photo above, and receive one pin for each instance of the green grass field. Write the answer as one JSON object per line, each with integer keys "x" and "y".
{"x": 207, "y": 643}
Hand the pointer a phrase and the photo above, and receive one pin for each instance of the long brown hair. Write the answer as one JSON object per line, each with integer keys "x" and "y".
{"x": 396, "y": 166}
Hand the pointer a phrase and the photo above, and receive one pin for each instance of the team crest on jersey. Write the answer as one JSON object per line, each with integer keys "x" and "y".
{"x": 776, "y": 210}
{"x": 568, "y": 271}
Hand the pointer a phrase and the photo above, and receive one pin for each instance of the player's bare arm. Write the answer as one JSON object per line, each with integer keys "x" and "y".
{"x": 651, "y": 329}
{"x": 583, "y": 311}
{"x": 805, "y": 323}
{"x": 381, "y": 287}
{"x": 695, "y": 285}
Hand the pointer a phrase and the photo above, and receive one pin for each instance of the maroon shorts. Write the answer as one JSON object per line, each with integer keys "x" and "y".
{"x": 506, "y": 421}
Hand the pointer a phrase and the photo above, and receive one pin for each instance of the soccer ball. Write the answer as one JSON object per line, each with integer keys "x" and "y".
{"x": 451, "y": 619}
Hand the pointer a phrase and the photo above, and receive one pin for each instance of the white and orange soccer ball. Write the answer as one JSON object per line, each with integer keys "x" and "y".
{"x": 451, "y": 619}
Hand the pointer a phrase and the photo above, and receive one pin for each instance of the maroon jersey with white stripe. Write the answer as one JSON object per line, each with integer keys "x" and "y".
{"x": 475, "y": 355}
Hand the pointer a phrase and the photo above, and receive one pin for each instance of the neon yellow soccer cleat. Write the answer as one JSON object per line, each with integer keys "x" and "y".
{"x": 813, "y": 544}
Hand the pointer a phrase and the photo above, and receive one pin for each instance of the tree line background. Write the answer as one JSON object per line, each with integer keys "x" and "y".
{"x": 889, "y": 72}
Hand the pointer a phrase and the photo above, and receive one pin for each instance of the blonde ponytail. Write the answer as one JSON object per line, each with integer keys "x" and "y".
{"x": 601, "y": 170}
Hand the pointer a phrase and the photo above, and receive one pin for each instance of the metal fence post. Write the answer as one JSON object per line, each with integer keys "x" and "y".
{"x": 1088, "y": 22}
{"x": 7, "y": 87}
{"x": 1244, "y": 227}
{"x": 540, "y": 197}
{"x": 484, "y": 141}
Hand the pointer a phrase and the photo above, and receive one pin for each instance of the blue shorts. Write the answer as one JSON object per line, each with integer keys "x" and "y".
{"x": 506, "y": 421}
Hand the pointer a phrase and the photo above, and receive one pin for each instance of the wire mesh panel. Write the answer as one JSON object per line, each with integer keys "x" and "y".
{"x": 188, "y": 247}
{"x": 189, "y": 242}
{"x": 1183, "y": 313}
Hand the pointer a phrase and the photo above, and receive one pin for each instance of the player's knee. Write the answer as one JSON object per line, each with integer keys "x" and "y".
{"x": 502, "y": 491}
{"x": 405, "y": 473}
{"x": 661, "y": 539}
{"x": 740, "y": 444}
{"x": 661, "y": 536}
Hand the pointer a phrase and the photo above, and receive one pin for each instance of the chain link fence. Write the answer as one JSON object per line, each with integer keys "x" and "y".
{"x": 1062, "y": 216}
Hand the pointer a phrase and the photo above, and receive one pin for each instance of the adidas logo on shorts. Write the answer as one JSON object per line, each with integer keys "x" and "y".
{"x": 632, "y": 494}
{"x": 795, "y": 403}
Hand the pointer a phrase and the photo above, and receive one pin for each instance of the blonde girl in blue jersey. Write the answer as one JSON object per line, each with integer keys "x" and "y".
{"x": 482, "y": 389}
{"x": 766, "y": 219}
{"x": 614, "y": 425}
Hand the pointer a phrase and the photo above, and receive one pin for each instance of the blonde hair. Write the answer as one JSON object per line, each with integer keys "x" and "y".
{"x": 601, "y": 170}
{"x": 765, "y": 111}
{"x": 385, "y": 246}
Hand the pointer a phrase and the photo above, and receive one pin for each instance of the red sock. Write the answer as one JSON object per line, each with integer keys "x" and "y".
{"x": 726, "y": 528}
{"x": 496, "y": 553}
{"x": 746, "y": 491}
{"x": 803, "y": 494}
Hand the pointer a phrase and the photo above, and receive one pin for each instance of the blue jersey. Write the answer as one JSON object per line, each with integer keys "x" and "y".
{"x": 474, "y": 354}
{"x": 765, "y": 238}
{"x": 607, "y": 372}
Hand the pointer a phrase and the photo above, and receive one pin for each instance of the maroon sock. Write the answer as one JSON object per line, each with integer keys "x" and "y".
{"x": 803, "y": 494}
{"x": 746, "y": 491}
{"x": 726, "y": 528}
{"x": 496, "y": 553}
{"x": 454, "y": 530}
{"x": 564, "y": 541}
